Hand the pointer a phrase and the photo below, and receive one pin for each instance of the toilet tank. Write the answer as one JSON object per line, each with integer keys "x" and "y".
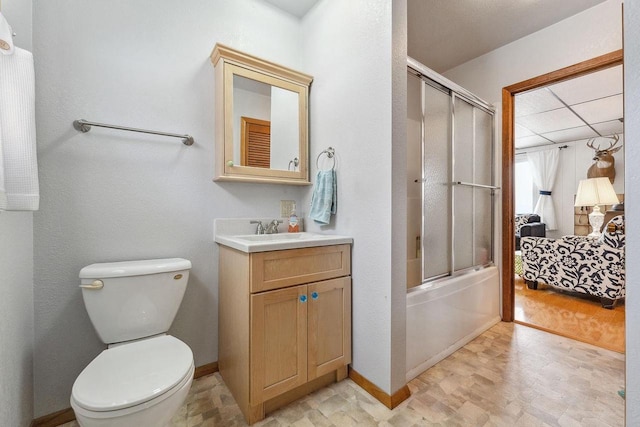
{"x": 133, "y": 299}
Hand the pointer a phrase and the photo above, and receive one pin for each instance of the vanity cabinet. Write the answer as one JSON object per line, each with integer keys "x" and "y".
{"x": 284, "y": 324}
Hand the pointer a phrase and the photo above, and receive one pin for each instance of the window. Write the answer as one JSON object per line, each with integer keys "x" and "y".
{"x": 523, "y": 186}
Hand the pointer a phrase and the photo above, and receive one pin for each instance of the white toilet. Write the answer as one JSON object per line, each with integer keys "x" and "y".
{"x": 144, "y": 376}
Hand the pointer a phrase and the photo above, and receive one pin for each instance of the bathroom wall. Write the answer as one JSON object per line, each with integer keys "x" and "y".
{"x": 632, "y": 205}
{"x": 19, "y": 15}
{"x": 348, "y": 48}
{"x": 16, "y": 316}
{"x": 109, "y": 195}
{"x": 16, "y": 279}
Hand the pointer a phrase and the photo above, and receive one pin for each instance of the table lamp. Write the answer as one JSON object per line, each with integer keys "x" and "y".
{"x": 595, "y": 192}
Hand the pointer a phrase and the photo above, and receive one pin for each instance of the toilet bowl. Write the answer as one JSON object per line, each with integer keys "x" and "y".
{"x": 144, "y": 376}
{"x": 134, "y": 384}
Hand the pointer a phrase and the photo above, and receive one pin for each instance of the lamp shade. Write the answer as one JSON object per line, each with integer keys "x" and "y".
{"x": 596, "y": 191}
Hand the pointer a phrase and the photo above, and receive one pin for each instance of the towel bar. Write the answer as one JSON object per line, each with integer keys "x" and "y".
{"x": 469, "y": 184}
{"x": 85, "y": 126}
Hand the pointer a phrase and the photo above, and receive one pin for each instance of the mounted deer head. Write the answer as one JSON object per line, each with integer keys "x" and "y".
{"x": 603, "y": 161}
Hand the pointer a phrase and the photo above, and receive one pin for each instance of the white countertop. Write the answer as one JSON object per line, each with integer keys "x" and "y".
{"x": 236, "y": 233}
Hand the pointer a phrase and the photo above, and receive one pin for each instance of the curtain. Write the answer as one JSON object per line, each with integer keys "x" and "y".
{"x": 544, "y": 165}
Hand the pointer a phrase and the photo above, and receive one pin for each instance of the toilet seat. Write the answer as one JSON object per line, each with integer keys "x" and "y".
{"x": 133, "y": 376}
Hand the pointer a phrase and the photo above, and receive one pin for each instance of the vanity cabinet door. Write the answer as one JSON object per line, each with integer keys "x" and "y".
{"x": 278, "y": 342}
{"x": 329, "y": 326}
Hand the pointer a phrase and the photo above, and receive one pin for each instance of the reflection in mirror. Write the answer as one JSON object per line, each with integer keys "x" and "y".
{"x": 267, "y": 117}
{"x": 262, "y": 120}
{"x": 255, "y": 143}
{"x": 285, "y": 127}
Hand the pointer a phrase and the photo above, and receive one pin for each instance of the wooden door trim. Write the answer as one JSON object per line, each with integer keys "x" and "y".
{"x": 508, "y": 160}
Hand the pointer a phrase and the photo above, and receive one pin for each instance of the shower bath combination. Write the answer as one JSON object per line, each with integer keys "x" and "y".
{"x": 452, "y": 283}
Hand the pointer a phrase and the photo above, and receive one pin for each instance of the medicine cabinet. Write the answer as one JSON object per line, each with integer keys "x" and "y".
{"x": 262, "y": 119}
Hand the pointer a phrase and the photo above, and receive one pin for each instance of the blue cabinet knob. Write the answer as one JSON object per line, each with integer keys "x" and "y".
{"x": 314, "y": 295}
{"x": 303, "y": 298}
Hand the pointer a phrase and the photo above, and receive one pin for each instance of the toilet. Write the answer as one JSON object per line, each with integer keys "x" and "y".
{"x": 144, "y": 375}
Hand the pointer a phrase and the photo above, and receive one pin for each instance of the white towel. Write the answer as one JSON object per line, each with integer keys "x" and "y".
{"x": 6, "y": 37}
{"x": 18, "y": 163}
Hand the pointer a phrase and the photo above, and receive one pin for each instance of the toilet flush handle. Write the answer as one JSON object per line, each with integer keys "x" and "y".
{"x": 96, "y": 284}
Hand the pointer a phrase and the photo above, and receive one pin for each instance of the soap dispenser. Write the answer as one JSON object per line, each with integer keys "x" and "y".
{"x": 294, "y": 226}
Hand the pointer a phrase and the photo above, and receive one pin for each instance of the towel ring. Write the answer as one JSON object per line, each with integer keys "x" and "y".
{"x": 330, "y": 152}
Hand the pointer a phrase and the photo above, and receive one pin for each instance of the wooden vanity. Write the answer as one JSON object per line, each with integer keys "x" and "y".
{"x": 284, "y": 323}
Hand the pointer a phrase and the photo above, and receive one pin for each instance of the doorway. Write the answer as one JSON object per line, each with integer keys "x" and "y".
{"x": 509, "y": 162}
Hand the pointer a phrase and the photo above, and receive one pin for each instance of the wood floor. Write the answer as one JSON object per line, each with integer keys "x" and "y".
{"x": 574, "y": 316}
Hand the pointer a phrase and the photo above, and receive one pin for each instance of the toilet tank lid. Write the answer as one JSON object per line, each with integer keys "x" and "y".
{"x": 134, "y": 268}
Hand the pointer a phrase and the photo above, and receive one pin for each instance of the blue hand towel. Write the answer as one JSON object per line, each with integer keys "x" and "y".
{"x": 324, "y": 200}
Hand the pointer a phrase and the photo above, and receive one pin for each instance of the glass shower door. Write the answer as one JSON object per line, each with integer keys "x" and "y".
{"x": 483, "y": 196}
{"x": 436, "y": 191}
{"x": 473, "y": 185}
{"x": 450, "y": 182}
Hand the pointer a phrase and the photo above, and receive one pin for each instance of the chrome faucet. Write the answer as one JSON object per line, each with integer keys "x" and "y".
{"x": 259, "y": 228}
{"x": 272, "y": 228}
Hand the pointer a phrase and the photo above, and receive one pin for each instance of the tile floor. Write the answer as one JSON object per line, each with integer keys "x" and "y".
{"x": 511, "y": 375}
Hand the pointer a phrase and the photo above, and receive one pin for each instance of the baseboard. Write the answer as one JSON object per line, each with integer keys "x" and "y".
{"x": 205, "y": 370}
{"x": 55, "y": 419}
{"x": 390, "y": 401}
{"x": 67, "y": 415}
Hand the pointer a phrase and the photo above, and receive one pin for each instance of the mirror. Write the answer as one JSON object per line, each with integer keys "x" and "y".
{"x": 261, "y": 120}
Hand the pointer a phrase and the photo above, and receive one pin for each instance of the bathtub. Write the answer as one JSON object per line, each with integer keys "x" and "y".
{"x": 447, "y": 314}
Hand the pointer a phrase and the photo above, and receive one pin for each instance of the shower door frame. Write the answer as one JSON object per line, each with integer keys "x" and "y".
{"x": 455, "y": 91}
{"x": 508, "y": 160}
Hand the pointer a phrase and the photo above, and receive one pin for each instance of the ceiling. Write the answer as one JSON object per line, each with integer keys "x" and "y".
{"x": 443, "y": 34}
{"x": 295, "y": 7}
{"x": 439, "y": 35}
{"x": 439, "y": 31}
{"x": 580, "y": 108}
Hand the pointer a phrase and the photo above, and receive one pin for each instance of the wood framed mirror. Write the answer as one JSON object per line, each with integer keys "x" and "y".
{"x": 262, "y": 116}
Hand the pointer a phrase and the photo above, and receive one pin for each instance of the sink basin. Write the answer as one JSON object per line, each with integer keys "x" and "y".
{"x": 273, "y": 242}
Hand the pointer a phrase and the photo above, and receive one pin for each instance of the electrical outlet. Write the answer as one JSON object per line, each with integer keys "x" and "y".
{"x": 286, "y": 208}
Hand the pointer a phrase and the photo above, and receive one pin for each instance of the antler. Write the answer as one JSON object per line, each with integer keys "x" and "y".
{"x": 616, "y": 139}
